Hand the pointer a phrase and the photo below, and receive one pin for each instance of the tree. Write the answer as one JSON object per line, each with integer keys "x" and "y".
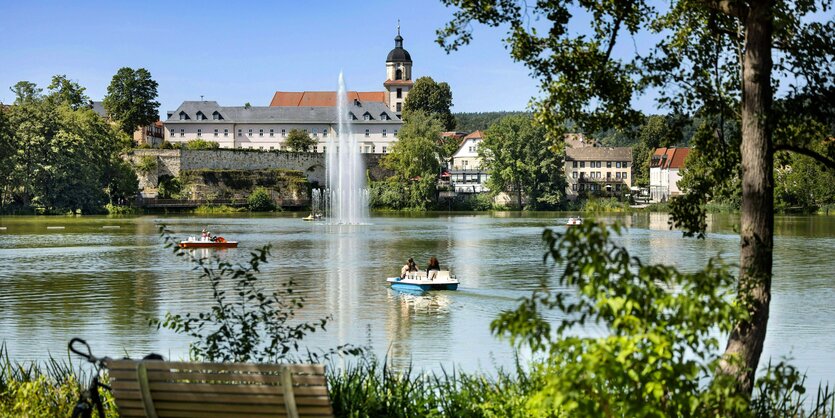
{"x": 131, "y": 99}
{"x": 434, "y": 99}
{"x": 300, "y": 141}
{"x": 64, "y": 90}
{"x": 714, "y": 57}
{"x": 416, "y": 152}
{"x": 260, "y": 200}
{"x": 7, "y": 151}
{"x": 199, "y": 143}
{"x": 656, "y": 131}
{"x": 519, "y": 157}
{"x": 25, "y": 91}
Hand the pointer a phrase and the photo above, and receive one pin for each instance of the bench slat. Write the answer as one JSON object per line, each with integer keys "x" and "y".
{"x": 198, "y": 407}
{"x": 316, "y": 369}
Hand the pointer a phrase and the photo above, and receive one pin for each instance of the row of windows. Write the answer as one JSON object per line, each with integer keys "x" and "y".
{"x": 599, "y": 164}
{"x": 368, "y": 149}
{"x": 271, "y": 132}
{"x": 592, "y": 187}
{"x": 598, "y": 175}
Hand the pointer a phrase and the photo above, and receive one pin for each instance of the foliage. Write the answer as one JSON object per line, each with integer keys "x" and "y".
{"x": 247, "y": 322}
{"x": 65, "y": 91}
{"x": 214, "y": 209}
{"x": 121, "y": 209}
{"x": 520, "y": 159}
{"x": 660, "y": 342}
{"x": 147, "y": 164}
{"x": 398, "y": 194}
{"x": 7, "y": 151}
{"x": 800, "y": 182}
{"x": 170, "y": 145}
{"x": 169, "y": 187}
{"x": 260, "y": 200}
{"x": 300, "y": 141}
{"x": 434, "y": 99}
{"x": 121, "y": 183}
{"x": 63, "y": 159}
{"x": 131, "y": 99}
{"x": 657, "y": 131}
{"x": 480, "y": 121}
{"x": 416, "y": 154}
{"x": 611, "y": 204}
{"x": 201, "y": 144}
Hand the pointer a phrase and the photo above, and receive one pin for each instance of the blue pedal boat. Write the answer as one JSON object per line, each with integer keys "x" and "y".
{"x": 419, "y": 282}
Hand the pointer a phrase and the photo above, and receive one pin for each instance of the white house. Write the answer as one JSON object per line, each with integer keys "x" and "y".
{"x": 665, "y": 172}
{"x": 466, "y": 173}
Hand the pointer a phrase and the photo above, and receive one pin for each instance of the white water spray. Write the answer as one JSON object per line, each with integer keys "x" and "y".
{"x": 347, "y": 202}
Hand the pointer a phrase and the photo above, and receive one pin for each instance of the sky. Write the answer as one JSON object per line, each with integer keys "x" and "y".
{"x": 239, "y": 52}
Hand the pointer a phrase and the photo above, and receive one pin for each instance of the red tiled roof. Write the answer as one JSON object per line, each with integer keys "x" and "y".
{"x": 669, "y": 157}
{"x": 322, "y": 98}
{"x": 476, "y": 134}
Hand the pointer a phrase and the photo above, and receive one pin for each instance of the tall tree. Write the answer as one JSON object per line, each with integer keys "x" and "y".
{"x": 25, "y": 91}
{"x": 6, "y": 153}
{"x": 712, "y": 56}
{"x": 300, "y": 141}
{"x": 417, "y": 152}
{"x": 64, "y": 90}
{"x": 656, "y": 131}
{"x": 131, "y": 99}
{"x": 432, "y": 98}
{"x": 520, "y": 158}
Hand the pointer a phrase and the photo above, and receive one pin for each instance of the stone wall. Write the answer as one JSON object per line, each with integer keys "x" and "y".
{"x": 172, "y": 162}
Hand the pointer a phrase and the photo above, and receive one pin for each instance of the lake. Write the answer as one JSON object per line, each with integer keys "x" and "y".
{"x": 102, "y": 278}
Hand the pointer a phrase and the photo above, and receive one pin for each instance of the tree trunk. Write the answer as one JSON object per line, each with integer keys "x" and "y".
{"x": 745, "y": 344}
{"x": 519, "y": 194}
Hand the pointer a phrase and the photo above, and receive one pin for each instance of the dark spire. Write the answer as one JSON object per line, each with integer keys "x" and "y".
{"x": 398, "y": 40}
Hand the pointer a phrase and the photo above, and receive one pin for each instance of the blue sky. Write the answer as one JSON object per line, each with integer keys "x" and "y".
{"x": 243, "y": 52}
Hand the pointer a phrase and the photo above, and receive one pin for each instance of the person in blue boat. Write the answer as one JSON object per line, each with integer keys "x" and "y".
{"x": 432, "y": 268}
{"x": 409, "y": 267}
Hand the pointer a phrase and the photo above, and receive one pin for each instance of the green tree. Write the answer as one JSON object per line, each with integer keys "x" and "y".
{"x": 260, "y": 200}
{"x": 712, "y": 56}
{"x": 520, "y": 158}
{"x": 434, "y": 99}
{"x": 64, "y": 90}
{"x": 300, "y": 141}
{"x": 417, "y": 152}
{"x": 656, "y": 131}
{"x": 7, "y": 151}
{"x": 131, "y": 99}
{"x": 25, "y": 91}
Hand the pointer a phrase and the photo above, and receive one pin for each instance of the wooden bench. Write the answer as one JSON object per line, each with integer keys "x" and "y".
{"x": 159, "y": 389}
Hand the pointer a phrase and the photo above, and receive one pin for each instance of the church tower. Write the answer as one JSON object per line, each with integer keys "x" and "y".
{"x": 398, "y": 75}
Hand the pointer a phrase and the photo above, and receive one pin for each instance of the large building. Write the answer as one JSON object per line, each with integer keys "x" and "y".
{"x": 375, "y": 116}
{"x": 466, "y": 172}
{"x": 665, "y": 172}
{"x": 593, "y": 169}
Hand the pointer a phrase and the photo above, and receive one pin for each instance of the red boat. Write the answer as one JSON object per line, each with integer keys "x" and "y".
{"x": 216, "y": 242}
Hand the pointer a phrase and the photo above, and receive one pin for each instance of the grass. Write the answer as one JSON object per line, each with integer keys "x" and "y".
{"x": 214, "y": 209}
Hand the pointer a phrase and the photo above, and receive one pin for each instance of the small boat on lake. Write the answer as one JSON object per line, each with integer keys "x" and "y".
{"x": 419, "y": 282}
{"x": 312, "y": 217}
{"x": 574, "y": 221}
{"x": 208, "y": 242}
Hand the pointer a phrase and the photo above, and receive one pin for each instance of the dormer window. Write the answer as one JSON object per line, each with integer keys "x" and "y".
{"x": 183, "y": 116}
{"x": 216, "y": 115}
{"x": 366, "y": 116}
{"x": 200, "y": 115}
{"x": 384, "y": 116}
{"x": 351, "y": 115}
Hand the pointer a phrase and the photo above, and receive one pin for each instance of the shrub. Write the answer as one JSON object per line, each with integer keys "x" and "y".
{"x": 261, "y": 200}
{"x": 146, "y": 164}
{"x": 198, "y": 144}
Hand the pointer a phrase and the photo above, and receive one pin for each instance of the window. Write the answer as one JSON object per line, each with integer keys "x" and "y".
{"x": 617, "y": 175}
{"x": 384, "y": 149}
{"x": 574, "y": 164}
{"x": 574, "y": 174}
{"x": 373, "y": 149}
{"x": 608, "y": 174}
{"x": 240, "y": 132}
{"x": 623, "y": 164}
{"x": 250, "y": 132}
{"x": 199, "y": 133}
{"x": 215, "y": 115}
{"x": 617, "y": 164}
{"x": 260, "y": 132}
{"x": 398, "y": 75}
{"x": 367, "y": 132}
{"x": 216, "y": 133}
{"x": 272, "y": 132}
{"x": 271, "y": 148}
{"x": 608, "y": 164}
{"x": 305, "y": 131}
{"x": 172, "y": 132}
{"x": 399, "y": 93}
{"x": 351, "y": 115}
{"x": 384, "y": 132}
{"x": 465, "y": 162}
{"x": 366, "y": 117}
{"x": 582, "y": 175}
{"x": 200, "y": 116}
{"x": 315, "y": 132}
{"x": 599, "y": 164}
{"x": 384, "y": 116}
{"x": 182, "y": 133}
{"x": 324, "y": 148}
{"x": 623, "y": 176}
{"x": 183, "y": 116}
{"x": 226, "y": 132}
{"x": 367, "y": 149}
{"x": 283, "y": 133}
{"x": 582, "y": 164}
{"x": 395, "y": 132}
{"x": 325, "y": 131}
{"x": 399, "y": 107}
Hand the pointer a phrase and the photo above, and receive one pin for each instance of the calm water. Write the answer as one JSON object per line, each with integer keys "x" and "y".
{"x": 103, "y": 284}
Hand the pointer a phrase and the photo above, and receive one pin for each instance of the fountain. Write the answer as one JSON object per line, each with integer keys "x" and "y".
{"x": 346, "y": 200}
